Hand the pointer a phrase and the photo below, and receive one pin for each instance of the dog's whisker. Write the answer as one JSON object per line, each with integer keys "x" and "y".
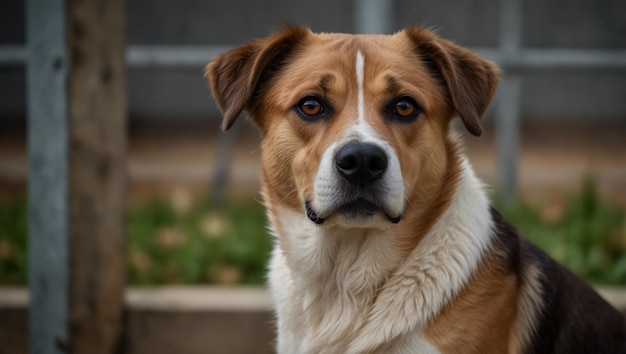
{"x": 288, "y": 194}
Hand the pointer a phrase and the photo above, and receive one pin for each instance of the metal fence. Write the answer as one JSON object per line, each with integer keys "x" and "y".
{"x": 375, "y": 16}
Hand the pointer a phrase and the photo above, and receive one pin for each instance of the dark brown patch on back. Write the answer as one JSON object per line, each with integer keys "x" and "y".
{"x": 572, "y": 317}
{"x": 575, "y": 319}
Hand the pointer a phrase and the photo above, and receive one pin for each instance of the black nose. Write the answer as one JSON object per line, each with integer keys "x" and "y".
{"x": 361, "y": 163}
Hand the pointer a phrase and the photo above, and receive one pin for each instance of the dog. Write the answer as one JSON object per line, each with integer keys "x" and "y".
{"x": 385, "y": 240}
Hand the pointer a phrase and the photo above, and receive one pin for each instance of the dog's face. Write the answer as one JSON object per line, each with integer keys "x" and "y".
{"x": 354, "y": 126}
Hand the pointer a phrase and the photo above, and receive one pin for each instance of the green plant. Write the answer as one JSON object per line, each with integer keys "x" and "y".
{"x": 589, "y": 238}
{"x": 13, "y": 243}
{"x": 198, "y": 244}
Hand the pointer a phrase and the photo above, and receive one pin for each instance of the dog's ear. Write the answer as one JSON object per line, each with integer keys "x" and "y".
{"x": 235, "y": 76}
{"x": 469, "y": 79}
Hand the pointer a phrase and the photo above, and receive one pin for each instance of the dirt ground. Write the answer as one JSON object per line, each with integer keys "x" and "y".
{"x": 554, "y": 158}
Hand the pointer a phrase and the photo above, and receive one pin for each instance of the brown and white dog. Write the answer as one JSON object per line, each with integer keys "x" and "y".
{"x": 385, "y": 238}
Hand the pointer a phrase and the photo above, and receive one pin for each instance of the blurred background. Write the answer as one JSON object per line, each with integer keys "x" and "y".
{"x": 174, "y": 99}
{"x": 194, "y": 215}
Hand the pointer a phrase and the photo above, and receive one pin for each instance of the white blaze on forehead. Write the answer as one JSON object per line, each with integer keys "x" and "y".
{"x": 360, "y": 69}
{"x": 361, "y": 130}
{"x": 328, "y": 187}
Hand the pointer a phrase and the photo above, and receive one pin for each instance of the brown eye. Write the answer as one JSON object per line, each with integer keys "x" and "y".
{"x": 310, "y": 107}
{"x": 404, "y": 108}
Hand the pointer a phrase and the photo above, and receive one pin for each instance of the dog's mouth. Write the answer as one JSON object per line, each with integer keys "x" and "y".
{"x": 359, "y": 209}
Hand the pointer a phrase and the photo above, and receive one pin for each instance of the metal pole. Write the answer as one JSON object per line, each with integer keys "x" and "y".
{"x": 224, "y": 155}
{"x": 507, "y": 134}
{"x": 172, "y": 57}
{"x": 374, "y": 16}
{"x": 508, "y": 106}
{"x": 47, "y": 65}
{"x": 176, "y": 57}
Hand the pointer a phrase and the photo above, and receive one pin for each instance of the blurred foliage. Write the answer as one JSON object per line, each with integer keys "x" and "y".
{"x": 13, "y": 243}
{"x": 198, "y": 244}
{"x": 588, "y": 237}
{"x": 177, "y": 241}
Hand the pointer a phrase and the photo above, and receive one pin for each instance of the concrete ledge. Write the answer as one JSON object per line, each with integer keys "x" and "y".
{"x": 200, "y": 298}
{"x": 168, "y": 319}
{"x": 198, "y": 320}
{"x": 185, "y": 319}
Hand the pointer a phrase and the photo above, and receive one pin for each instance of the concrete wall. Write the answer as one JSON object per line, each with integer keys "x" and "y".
{"x": 182, "y": 94}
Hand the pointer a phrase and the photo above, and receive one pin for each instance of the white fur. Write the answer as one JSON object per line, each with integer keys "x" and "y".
{"x": 339, "y": 289}
{"x": 332, "y": 274}
{"x": 360, "y": 75}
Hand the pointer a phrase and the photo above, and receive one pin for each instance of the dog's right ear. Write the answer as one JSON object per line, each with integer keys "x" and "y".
{"x": 235, "y": 76}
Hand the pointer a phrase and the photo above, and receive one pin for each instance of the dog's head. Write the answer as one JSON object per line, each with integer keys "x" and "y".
{"x": 354, "y": 126}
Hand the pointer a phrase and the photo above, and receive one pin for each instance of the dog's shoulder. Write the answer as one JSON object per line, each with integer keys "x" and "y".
{"x": 574, "y": 318}
{"x": 570, "y": 315}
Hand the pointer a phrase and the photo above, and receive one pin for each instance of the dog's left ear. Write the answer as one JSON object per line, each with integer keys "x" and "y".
{"x": 235, "y": 76}
{"x": 470, "y": 79}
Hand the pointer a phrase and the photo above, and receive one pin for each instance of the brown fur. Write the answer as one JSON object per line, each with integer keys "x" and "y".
{"x": 235, "y": 77}
{"x": 425, "y": 210}
{"x": 482, "y": 317}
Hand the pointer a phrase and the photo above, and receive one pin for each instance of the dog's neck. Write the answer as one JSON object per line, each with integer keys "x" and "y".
{"x": 345, "y": 278}
{"x": 335, "y": 274}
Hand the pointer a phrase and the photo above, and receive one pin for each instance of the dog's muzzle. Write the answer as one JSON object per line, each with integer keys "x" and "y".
{"x": 360, "y": 168}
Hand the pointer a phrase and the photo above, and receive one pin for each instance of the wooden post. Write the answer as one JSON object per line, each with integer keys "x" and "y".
{"x": 77, "y": 184}
{"x": 97, "y": 173}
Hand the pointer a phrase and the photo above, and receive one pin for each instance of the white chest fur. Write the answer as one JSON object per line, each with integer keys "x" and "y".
{"x": 345, "y": 290}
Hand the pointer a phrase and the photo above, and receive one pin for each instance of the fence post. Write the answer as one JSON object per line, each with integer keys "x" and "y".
{"x": 77, "y": 180}
{"x": 374, "y": 16}
{"x": 97, "y": 111}
{"x": 48, "y": 271}
{"x": 508, "y": 105}
{"x": 224, "y": 152}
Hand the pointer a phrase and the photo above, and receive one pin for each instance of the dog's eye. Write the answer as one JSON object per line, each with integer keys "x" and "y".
{"x": 310, "y": 107}
{"x": 405, "y": 108}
